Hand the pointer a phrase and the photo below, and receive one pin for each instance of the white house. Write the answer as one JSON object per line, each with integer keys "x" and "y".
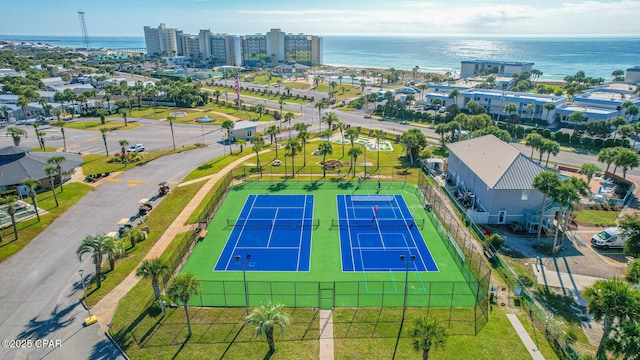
{"x": 243, "y": 130}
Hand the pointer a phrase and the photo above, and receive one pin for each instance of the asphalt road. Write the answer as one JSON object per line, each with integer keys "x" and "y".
{"x": 41, "y": 286}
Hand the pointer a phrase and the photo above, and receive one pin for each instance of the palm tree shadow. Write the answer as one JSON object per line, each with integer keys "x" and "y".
{"x": 277, "y": 187}
{"x": 40, "y": 329}
{"x": 184, "y": 343}
{"x": 268, "y": 355}
{"x": 312, "y": 186}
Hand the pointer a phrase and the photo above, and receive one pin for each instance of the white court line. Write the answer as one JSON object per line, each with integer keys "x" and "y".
{"x": 241, "y": 230}
{"x": 273, "y": 224}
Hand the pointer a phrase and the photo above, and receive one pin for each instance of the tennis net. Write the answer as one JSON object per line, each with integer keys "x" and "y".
{"x": 274, "y": 223}
{"x": 379, "y": 223}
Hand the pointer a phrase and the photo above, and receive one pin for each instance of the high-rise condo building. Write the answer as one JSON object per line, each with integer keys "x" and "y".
{"x": 219, "y": 49}
{"x": 161, "y": 40}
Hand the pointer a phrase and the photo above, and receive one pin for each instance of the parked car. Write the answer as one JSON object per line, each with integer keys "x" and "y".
{"x": 430, "y": 107}
{"x": 136, "y": 148}
{"x": 612, "y": 237}
{"x": 442, "y": 109}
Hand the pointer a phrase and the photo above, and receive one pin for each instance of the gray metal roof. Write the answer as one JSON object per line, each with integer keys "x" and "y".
{"x": 239, "y": 125}
{"x": 17, "y": 164}
{"x": 496, "y": 163}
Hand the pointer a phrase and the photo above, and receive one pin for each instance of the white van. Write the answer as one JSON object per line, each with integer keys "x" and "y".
{"x": 612, "y": 237}
{"x": 409, "y": 90}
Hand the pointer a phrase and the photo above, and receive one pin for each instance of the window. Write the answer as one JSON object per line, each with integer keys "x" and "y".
{"x": 525, "y": 195}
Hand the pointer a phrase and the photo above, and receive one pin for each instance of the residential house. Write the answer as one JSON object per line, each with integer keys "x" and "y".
{"x": 493, "y": 179}
{"x": 243, "y": 130}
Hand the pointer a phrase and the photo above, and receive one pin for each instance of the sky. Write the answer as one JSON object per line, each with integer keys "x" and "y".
{"x": 328, "y": 17}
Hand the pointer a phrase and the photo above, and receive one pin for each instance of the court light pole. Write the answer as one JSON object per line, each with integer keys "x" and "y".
{"x": 244, "y": 277}
{"x": 406, "y": 280}
{"x": 84, "y": 288}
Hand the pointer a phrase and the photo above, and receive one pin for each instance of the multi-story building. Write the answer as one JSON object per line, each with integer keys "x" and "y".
{"x": 188, "y": 45}
{"x": 503, "y": 68}
{"x": 219, "y": 49}
{"x": 601, "y": 103}
{"x": 633, "y": 75}
{"x": 161, "y": 40}
{"x": 254, "y": 50}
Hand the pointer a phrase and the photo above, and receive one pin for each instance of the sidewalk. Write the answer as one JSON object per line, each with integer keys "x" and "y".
{"x": 104, "y": 309}
{"x": 524, "y": 336}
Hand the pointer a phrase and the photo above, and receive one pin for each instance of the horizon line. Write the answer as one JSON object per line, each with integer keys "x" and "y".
{"x": 600, "y": 35}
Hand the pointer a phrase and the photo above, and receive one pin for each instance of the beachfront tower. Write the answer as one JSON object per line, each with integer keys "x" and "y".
{"x": 490, "y": 67}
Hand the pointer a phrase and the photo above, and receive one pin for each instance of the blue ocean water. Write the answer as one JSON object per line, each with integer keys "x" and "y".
{"x": 555, "y": 57}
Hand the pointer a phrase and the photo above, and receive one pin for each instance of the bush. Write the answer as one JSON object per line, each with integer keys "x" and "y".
{"x": 494, "y": 240}
{"x": 633, "y": 272}
{"x": 526, "y": 280}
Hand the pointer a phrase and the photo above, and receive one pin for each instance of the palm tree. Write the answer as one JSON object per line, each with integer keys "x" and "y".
{"x": 61, "y": 124}
{"x": 612, "y": 301}
{"x": 217, "y": 94}
{"x": 533, "y": 140}
{"x": 180, "y": 290}
{"x": 330, "y": 118}
{"x": 16, "y": 133}
{"x": 134, "y": 235}
{"x": 626, "y": 159}
{"x": 32, "y": 185}
{"x": 57, "y": 161}
{"x": 60, "y": 98}
{"x": 352, "y": 134}
{"x": 23, "y": 102}
{"x": 454, "y": 95}
{"x": 10, "y": 201}
{"x": 97, "y": 246}
{"x": 341, "y": 126}
{"x": 293, "y": 146}
{"x": 550, "y": 147}
{"x": 428, "y": 333}
{"x": 354, "y": 152}
{"x": 303, "y": 136}
{"x": 266, "y": 318}
{"x": 607, "y": 155}
{"x": 378, "y": 134}
{"x": 588, "y": 170}
{"x": 123, "y": 111}
{"x": 228, "y": 125}
{"x": 38, "y": 132}
{"x": 546, "y": 182}
{"x": 103, "y": 132}
{"x": 5, "y": 112}
{"x": 123, "y": 147}
{"x": 260, "y": 109}
{"x": 320, "y": 105}
{"x": 273, "y": 131}
{"x": 51, "y": 171}
{"x": 566, "y": 194}
{"x": 258, "y": 144}
{"x": 153, "y": 269}
{"x": 241, "y": 143}
{"x": 442, "y": 129}
{"x": 324, "y": 149}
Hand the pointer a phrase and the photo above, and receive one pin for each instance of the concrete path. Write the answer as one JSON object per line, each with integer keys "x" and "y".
{"x": 572, "y": 284}
{"x": 524, "y": 336}
{"x": 326, "y": 335}
{"x": 106, "y": 307}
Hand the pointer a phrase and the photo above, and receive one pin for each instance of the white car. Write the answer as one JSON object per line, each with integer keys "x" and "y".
{"x": 136, "y": 148}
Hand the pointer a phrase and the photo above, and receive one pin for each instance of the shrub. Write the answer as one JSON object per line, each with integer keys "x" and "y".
{"x": 633, "y": 272}
{"x": 494, "y": 240}
{"x": 526, "y": 280}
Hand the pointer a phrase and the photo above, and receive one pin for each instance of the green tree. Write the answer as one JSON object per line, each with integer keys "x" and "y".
{"x": 616, "y": 122}
{"x": 414, "y": 141}
{"x": 123, "y": 148}
{"x": 241, "y": 143}
{"x": 134, "y": 235}
{"x": 51, "y": 172}
{"x": 607, "y": 156}
{"x": 534, "y": 141}
{"x": 97, "y": 246}
{"x": 550, "y": 147}
{"x": 611, "y": 301}
{"x": 16, "y": 134}
{"x": 23, "y": 102}
{"x": 180, "y": 289}
{"x": 228, "y": 126}
{"x": 293, "y": 147}
{"x": 630, "y": 225}
{"x": 61, "y": 124}
{"x": 10, "y": 201}
{"x": 378, "y": 134}
{"x": 103, "y": 132}
{"x": 341, "y": 127}
{"x": 32, "y": 185}
{"x": 330, "y": 118}
{"x": 354, "y": 152}
{"x": 324, "y": 149}
{"x": 266, "y": 318}
{"x": 258, "y": 144}
{"x": 588, "y": 170}
{"x": 442, "y": 129}
{"x": 124, "y": 111}
{"x": 626, "y": 159}
{"x": 57, "y": 162}
{"x": 577, "y": 117}
{"x": 428, "y": 333}
{"x": 303, "y": 136}
{"x": 546, "y": 182}
{"x": 154, "y": 270}
{"x": 320, "y": 105}
{"x": 273, "y": 132}
{"x": 36, "y": 126}
{"x": 352, "y": 134}
{"x": 260, "y": 109}
{"x": 549, "y": 107}
{"x": 633, "y": 271}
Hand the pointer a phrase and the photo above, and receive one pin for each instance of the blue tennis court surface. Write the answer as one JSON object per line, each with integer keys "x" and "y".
{"x": 275, "y": 230}
{"x": 375, "y": 230}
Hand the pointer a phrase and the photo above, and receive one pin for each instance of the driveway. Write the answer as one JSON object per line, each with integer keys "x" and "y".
{"x": 41, "y": 286}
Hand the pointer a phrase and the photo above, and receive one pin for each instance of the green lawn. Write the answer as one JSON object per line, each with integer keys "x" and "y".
{"x": 257, "y": 94}
{"x": 218, "y": 163}
{"x": 99, "y": 163}
{"x": 29, "y": 229}
{"x": 344, "y": 91}
{"x": 97, "y": 125}
{"x": 599, "y": 217}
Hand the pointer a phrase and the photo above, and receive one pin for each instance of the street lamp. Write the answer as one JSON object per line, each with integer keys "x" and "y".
{"x": 84, "y": 288}
{"x": 244, "y": 277}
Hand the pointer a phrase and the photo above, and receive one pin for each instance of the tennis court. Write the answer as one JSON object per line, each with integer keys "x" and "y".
{"x": 275, "y": 230}
{"x": 376, "y": 230}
